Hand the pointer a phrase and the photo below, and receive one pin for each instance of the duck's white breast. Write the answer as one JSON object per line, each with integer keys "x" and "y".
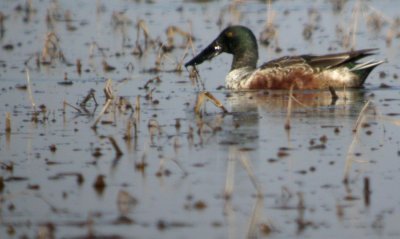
{"x": 237, "y": 78}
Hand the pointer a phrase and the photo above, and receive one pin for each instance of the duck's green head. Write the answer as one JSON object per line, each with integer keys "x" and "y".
{"x": 236, "y": 40}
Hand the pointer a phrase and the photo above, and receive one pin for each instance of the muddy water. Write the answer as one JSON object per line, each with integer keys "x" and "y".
{"x": 232, "y": 175}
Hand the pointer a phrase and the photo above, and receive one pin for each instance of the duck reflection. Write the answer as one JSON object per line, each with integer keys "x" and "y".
{"x": 253, "y": 112}
{"x": 252, "y": 108}
{"x": 302, "y": 100}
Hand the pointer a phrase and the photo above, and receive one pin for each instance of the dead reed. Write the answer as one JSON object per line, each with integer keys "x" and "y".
{"x": 29, "y": 89}
{"x": 360, "y": 117}
{"x": 205, "y": 95}
{"x": 350, "y": 152}
{"x": 65, "y": 104}
{"x": 289, "y": 109}
{"x": 109, "y": 99}
{"x": 118, "y": 151}
{"x": 269, "y": 34}
{"x": 254, "y": 222}
{"x": 230, "y": 174}
{"x": 90, "y": 95}
{"x": 2, "y": 28}
{"x": 8, "y": 123}
{"x": 235, "y": 154}
{"x": 367, "y": 191}
{"x": 52, "y": 50}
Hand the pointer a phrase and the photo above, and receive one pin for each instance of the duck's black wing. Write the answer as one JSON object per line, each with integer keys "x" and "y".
{"x": 321, "y": 62}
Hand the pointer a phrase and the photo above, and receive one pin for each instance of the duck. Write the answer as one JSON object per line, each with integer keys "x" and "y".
{"x": 301, "y": 72}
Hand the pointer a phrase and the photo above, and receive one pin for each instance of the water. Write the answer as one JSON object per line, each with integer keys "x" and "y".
{"x": 178, "y": 167}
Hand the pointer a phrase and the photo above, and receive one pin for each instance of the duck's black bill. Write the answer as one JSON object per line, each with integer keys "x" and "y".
{"x": 212, "y": 50}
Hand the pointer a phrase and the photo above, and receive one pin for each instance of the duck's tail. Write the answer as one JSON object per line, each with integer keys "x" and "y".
{"x": 363, "y": 69}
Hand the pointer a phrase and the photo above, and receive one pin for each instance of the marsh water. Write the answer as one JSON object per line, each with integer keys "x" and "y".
{"x": 150, "y": 167}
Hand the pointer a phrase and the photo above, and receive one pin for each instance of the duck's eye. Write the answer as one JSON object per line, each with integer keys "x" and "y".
{"x": 229, "y": 34}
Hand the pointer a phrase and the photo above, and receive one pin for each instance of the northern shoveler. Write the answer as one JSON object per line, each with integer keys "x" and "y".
{"x": 302, "y": 72}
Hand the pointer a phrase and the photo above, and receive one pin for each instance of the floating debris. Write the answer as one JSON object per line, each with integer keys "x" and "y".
{"x": 200, "y": 205}
{"x": 2, "y": 185}
{"x": 66, "y": 82}
{"x": 53, "y": 148}
{"x": 99, "y": 184}
{"x": 107, "y": 67}
{"x": 125, "y": 202}
{"x": 79, "y": 66}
